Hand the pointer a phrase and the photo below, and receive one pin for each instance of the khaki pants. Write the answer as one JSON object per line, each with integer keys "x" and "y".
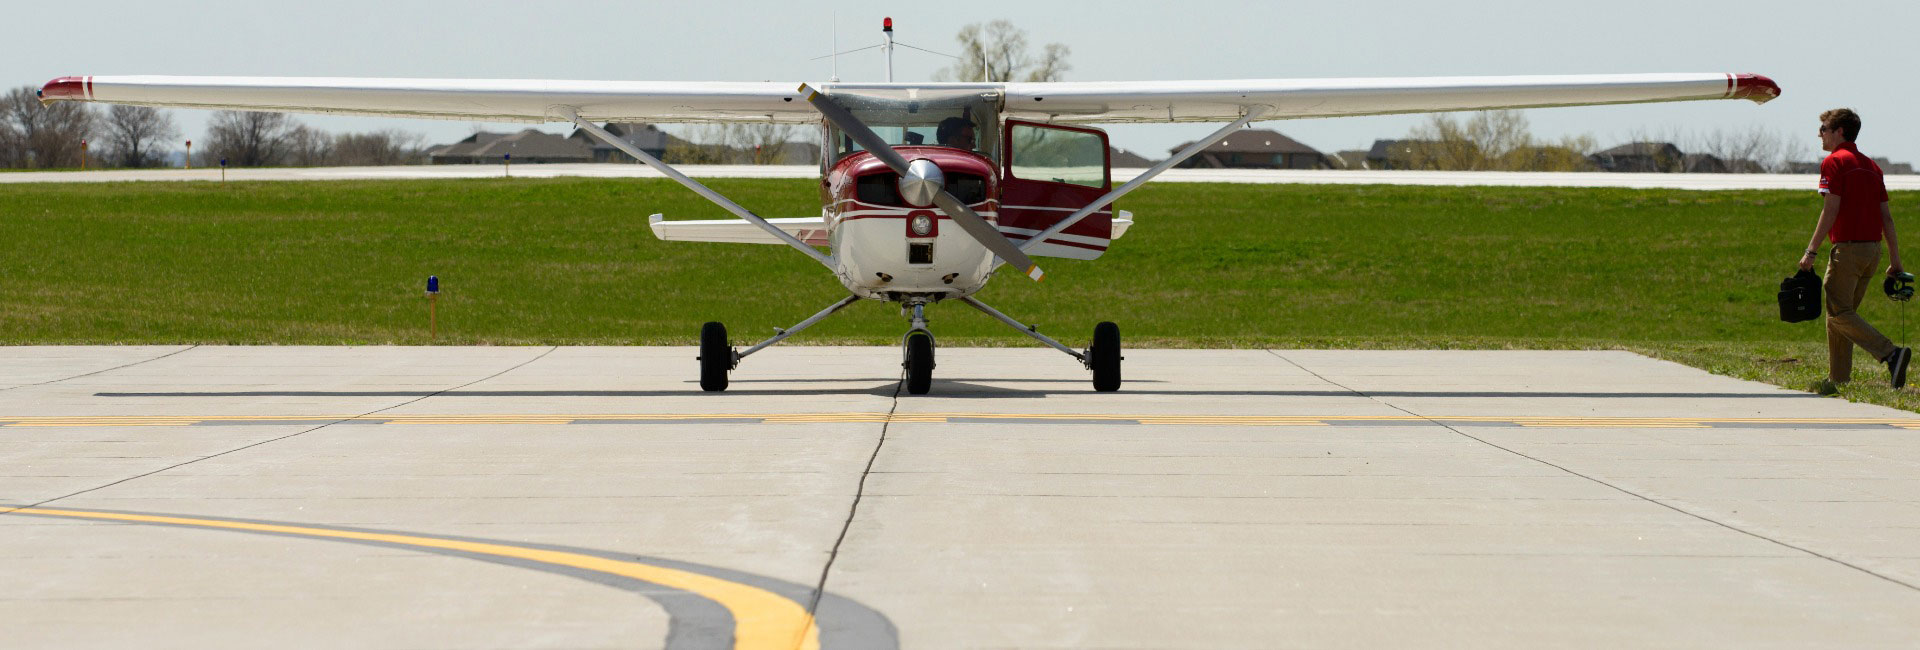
{"x": 1851, "y": 268}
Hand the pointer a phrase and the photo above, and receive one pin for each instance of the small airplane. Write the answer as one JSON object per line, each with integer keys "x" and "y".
{"x": 926, "y": 188}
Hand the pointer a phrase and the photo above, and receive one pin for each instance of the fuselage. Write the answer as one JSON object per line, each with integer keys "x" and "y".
{"x": 872, "y": 228}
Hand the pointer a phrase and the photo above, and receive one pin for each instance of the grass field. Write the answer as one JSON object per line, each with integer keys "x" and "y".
{"x": 1687, "y": 276}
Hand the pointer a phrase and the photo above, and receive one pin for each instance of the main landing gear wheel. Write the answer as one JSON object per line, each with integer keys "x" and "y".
{"x": 919, "y": 363}
{"x": 1104, "y": 357}
{"x": 716, "y": 357}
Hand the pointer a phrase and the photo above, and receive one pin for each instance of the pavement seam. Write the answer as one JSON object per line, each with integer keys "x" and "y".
{"x": 1616, "y": 488}
{"x": 859, "y": 491}
{"x": 96, "y": 372}
{"x": 270, "y": 440}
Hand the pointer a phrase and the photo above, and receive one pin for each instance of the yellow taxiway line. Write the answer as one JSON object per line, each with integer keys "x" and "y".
{"x": 762, "y": 619}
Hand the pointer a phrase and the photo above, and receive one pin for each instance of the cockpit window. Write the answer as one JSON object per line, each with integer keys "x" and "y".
{"x": 927, "y": 118}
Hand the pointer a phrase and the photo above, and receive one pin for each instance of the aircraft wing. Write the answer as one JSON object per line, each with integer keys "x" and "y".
{"x": 1225, "y": 101}
{"x": 526, "y": 100}
{"x": 482, "y": 100}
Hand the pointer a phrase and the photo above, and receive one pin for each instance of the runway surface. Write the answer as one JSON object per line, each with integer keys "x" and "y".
{"x": 594, "y": 497}
{"x": 1806, "y": 182}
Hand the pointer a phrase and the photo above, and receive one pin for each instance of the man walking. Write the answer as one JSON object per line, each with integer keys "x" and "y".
{"x": 1855, "y": 217}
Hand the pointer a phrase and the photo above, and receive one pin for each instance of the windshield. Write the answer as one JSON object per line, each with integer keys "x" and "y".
{"x": 963, "y": 119}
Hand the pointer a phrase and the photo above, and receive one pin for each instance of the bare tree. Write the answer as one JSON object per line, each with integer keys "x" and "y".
{"x": 735, "y": 143}
{"x": 388, "y": 147}
{"x": 1752, "y": 150}
{"x": 45, "y": 136}
{"x": 134, "y": 134}
{"x": 997, "y": 51}
{"x": 1491, "y": 140}
{"x": 13, "y": 146}
{"x": 250, "y": 139}
{"x": 308, "y": 147}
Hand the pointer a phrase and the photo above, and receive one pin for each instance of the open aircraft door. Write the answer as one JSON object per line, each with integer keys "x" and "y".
{"x": 1048, "y": 172}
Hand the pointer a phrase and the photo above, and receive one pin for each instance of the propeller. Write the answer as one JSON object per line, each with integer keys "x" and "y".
{"x": 918, "y": 179}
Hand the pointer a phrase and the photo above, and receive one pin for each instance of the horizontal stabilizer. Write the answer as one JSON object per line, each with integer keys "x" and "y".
{"x": 812, "y": 230}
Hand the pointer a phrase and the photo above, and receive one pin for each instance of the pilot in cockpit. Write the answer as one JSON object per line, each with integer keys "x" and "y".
{"x": 955, "y": 132}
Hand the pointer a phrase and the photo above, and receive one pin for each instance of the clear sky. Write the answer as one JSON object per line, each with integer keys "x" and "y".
{"x": 1858, "y": 54}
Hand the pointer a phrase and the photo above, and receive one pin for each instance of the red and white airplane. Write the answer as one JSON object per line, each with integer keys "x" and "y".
{"x": 926, "y": 188}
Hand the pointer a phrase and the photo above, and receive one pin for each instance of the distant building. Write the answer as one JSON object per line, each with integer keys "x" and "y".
{"x": 1123, "y": 158}
{"x": 529, "y": 147}
{"x": 1891, "y": 167}
{"x": 645, "y": 137}
{"x": 1396, "y": 154}
{"x": 1257, "y": 149}
{"x": 1642, "y": 157}
{"x": 1349, "y": 159}
{"x": 1703, "y": 163}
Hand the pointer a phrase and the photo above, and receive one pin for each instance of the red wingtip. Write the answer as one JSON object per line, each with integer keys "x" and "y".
{"x": 64, "y": 88}
{"x": 1755, "y": 87}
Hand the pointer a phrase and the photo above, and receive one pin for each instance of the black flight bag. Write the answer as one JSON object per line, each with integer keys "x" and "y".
{"x": 1800, "y": 297}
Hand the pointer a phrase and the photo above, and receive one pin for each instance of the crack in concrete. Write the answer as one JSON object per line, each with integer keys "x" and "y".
{"x": 96, "y": 372}
{"x": 1598, "y": 481}
{"x": 858, "y": 492}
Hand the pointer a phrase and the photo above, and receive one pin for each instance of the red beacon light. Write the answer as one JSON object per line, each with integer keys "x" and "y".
{"x": 886, "y": 24}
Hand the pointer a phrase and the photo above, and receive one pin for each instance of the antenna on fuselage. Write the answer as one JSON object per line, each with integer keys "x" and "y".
{"x": 836, "y": 48}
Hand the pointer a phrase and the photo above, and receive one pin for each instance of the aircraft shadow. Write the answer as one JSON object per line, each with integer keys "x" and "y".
{"x": 959, "y": 389}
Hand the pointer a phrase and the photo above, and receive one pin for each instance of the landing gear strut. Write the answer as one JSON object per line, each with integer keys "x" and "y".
{"x": 717, "y": 357}
{"x": 1103, "y": 357}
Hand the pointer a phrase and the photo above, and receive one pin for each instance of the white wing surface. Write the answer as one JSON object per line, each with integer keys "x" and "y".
{"x": 487, "y": 100}
{"x": 1075, "y": 102}
{"x": 1225, "y": 101}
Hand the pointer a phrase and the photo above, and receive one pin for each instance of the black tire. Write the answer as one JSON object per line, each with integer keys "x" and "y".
{"x": 716, "y": 357}
{"x": 919, "y": 362}
{"x": 1105, "y": 357}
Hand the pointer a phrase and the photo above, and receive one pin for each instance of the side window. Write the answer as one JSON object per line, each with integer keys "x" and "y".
{"x": 1042, "y": 153}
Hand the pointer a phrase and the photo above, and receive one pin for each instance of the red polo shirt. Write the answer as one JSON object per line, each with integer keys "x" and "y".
{"x": 1857, "y": 181}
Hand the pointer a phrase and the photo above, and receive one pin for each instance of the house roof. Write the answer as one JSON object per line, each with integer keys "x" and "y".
{"x": 1642, "y": 149}
{"x": 532, "y": 143}
{"x": 1254, "y": 141}
{"x": 1123, "y": 158}
{"x": 467, "y": 146}
{"x": 643, "y": 136}
{"x": 1383, "y": 149}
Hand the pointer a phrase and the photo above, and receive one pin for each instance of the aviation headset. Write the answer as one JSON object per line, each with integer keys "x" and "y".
{"x": 1898, "y": 287}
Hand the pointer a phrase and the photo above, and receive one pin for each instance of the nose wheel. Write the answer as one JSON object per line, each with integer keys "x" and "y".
{"x": 919, "y": 362}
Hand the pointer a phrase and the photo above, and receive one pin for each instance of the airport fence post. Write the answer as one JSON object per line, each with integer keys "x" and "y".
{"x": 83, "y": 154}
{"x": 189, "y": 154}
{"x": 433, "y": 301}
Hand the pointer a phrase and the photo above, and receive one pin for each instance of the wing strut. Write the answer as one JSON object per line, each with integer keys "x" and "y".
{"x": 1253, "y": 112}
{"x": 694, "y": 185}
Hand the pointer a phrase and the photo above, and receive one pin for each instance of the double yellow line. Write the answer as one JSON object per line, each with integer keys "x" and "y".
{"x": 762, "y": 619}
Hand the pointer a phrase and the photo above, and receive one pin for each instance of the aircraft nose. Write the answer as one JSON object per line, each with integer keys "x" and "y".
{"x": 64, "y": 88}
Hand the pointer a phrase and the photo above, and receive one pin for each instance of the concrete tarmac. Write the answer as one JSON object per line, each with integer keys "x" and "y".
{"x": 1806, "y": 182}
{"x": 442, "y": 497}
